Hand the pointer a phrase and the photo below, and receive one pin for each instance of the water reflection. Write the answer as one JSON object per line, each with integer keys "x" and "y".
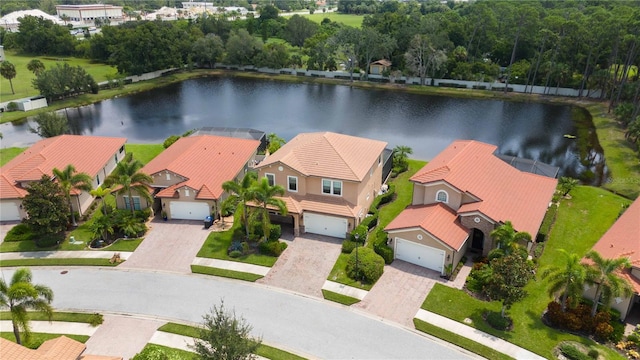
{"x": 425, "y": 123}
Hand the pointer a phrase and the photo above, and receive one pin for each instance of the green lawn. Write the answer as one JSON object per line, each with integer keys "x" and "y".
{"x": 171, "y": 353}
{"x": 580, "y": 222}
{"x": 6, "y": 154}
{"x": 22, "y": 82}
{"x": 461, "y": 341}
{"x": 622, "y": 159}
{"x": 144, "y": 152}
{"x": 206, "y": 270}
{"x": 57, "y": 316}
{"x": 339, "y": 298}
{"x": 38, "y": 338}
{"x": 404, "y": 194}
{"x": 263, "y": 350}
{"x": 217, "y": 243}
{"x": 347, "y": 19}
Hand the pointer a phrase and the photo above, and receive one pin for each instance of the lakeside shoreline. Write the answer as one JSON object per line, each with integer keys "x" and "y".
{"x": 625, "y": 170}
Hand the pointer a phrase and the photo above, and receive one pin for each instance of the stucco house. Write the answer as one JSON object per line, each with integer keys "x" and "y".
{"x": 94, "y": 155}
{"x": 623, "y": 240}
{"x": 330, "y": 180}
{"x": 188, "y": 176}
{"x": 459, "y": 197}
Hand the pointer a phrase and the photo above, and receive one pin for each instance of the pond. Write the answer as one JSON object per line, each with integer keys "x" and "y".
{"x": 559, "y": 135}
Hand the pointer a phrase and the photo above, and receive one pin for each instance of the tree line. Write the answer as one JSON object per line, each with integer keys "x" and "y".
{"x": 583, "y": 45}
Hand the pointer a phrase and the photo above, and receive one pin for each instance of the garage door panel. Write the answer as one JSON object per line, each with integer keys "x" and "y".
{"x": 422, "y": 255}
{"x": 9, "y": 211}
{"x": 325, "y": 225}
{"x": 189, "y": 210}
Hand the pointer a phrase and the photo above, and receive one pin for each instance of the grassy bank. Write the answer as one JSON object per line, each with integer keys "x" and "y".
{"x": 9, "y": 153}
{"x": 347, "y": 19}
{"x": 580, "y": 223}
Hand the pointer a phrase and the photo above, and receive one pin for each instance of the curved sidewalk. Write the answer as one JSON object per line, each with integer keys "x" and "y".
{"x": 98, "y": 254}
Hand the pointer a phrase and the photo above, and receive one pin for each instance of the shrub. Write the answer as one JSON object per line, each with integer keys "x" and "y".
{"x": 272, "y": 248}
{"x": 96, "y": 319}
{"x": 603, "y": 331}
{"x": 384, "y": 251}
{"x": 12, "y": 106}
{"x": 170, "y": 140}
{"x": 245, "y": 247}
{"x": 496, "y": 321}
{"x": 370, "y": 265}
{"x": 49, "y": 240}
{"x": 359, "y": 234}
{"x": 573, "y": 353}
{"x": 388, "y": 196}
{"x": 477, "y": 279}
{"x": 370, "y": 221}
{"x": 275, "y": 233}
{"x": 618, "y": 331}
{"x": 348, "y": 246}
{"x": 593, "y": 353}
{"x": 143, "y": 215}
{"x": 234, "y": 246}
{"x": 20, "y": 232}
{"x": 634, "y": 338}
{"x": 235, "y": 254}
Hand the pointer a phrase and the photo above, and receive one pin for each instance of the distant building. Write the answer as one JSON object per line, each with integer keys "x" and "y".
{"x": 1, "y": 53}
{"x": 10, "y": 22}
{"x": 201, "y": 6}
{"x": 87, "y": 14}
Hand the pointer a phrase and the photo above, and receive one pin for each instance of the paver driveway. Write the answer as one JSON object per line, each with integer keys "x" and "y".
{"x": 400, "y": 291}
{"x": 169, "y": 246}
{"x": 305, "y": 264}
{"x": 122, "y": 336}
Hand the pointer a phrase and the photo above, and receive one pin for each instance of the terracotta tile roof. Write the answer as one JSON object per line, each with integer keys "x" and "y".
{"x": 437, "y": 219}
{"x": 88, "y": 154}
{"x": 623, "y": 240}
{"x": 61, "y": 348}
{"x": 206, "y": 161}
{"x": 336, "y": 206}
{"x": 327, "y": 154}
{"x": 505, "y": 192}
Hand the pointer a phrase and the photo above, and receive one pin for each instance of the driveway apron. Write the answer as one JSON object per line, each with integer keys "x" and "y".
{"x": 399, "y": 293}
{"x": 305, "y": 264}
{"x": 169, "y": 246}
{"x": 121, "y": 336}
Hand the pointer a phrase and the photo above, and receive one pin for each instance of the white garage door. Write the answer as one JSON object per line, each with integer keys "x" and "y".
{"x": 325, "y": 225}
{"x": 9, "y": 211}
{"x": 189, "y": 210}
{"x": 422, "y": 255}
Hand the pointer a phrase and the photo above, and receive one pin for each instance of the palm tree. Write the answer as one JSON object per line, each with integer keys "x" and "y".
{"x": 127, "y": 176}
{"x": 36, "y": 67}
{"x": 265, "y": 195}
{"x": 508, "y": 238}
{"x": 240, "y": 193}
{"x": 21, "y": 295}
{"x": 70, "y": 180}
{"x": 101, "y": 192}
{"x": 102, "y": 227}
{"x": 566, "y": 184}
{"x": 400, "y": 155}
{"x": 8, "y": 71}
{"x": 603, "y": 274}
{"x": 567, "y": 279}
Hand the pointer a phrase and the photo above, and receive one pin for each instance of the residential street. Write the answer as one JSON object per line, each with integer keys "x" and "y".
{"x": 302, "y": 324}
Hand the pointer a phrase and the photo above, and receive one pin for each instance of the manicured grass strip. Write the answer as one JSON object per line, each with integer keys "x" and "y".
{"x": 38, "y": 338}
{"x": 171, "y": 353}
{"x": 217, "y": 243}
{"x": 347, "y": 19}
{"x": 144, "y": 152}
{"x": 7, "y": 154}
{"x": 56, "y": 262}
{"x": 123, "y": 245}
{"x": 194, "y": 332}
{"x": 339, "y": 298}
{"x": 460, "y": 341}
{"x": 339, "y": 274}
{"x": 57, "y": 316}
{"x": 199, "y": 269}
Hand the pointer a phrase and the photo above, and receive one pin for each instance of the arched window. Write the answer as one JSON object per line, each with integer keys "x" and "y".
{"x": 442, "y": 196}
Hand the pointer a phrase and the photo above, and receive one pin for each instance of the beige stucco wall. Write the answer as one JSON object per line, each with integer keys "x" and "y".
{"x": 143, "y": 202}
{"x": 423, "y": 195}
{"x": 160, "y": 179}
{"x": 281, "y": 177}
{"x": 624, "y": 306}
{"x": 484, "y": 225}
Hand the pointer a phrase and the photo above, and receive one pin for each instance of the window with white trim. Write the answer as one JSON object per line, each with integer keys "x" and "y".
{"x": 271, "y": 178}
{"x": 186, "y": 192}
{"x": 292, "y": 183}
{"x": 332, "y": 187}
{"x": 136, "y": 202}
{"x": 168, "y": 176}
{"x": 442, "y": 196}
